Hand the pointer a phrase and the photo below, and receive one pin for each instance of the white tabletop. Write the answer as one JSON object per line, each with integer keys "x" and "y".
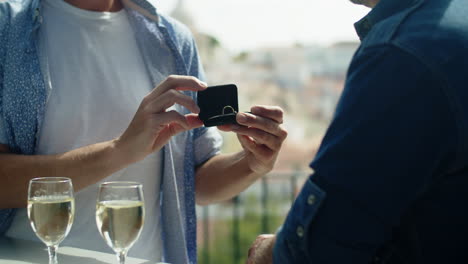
{"x": 16, "y": 251}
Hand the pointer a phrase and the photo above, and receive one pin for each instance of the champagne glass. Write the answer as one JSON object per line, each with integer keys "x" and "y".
{"x": 51, "y": 209}
{"x": 120, "y": 215}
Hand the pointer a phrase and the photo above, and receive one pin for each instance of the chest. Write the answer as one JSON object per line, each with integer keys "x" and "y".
{"x": 29, "y": 77}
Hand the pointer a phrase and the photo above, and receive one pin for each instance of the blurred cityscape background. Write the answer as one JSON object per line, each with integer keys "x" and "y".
{"x": 293, "y": 54}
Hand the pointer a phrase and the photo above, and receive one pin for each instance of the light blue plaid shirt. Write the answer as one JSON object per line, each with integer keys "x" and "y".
{"x": 167, "y": 47}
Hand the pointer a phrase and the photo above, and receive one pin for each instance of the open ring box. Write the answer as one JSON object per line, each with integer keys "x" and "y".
{"x": 218, "y": 105}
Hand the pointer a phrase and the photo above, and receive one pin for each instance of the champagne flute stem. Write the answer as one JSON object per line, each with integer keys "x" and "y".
{"x": 52, "y": 254}
{"x": 121, "y": 257}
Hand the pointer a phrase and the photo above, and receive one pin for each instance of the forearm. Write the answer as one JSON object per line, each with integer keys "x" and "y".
{"x": 85, "y": 166}
{"x": 223, "y": 177}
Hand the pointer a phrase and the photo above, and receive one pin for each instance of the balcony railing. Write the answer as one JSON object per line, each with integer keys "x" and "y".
{"x": 226, "y": 231}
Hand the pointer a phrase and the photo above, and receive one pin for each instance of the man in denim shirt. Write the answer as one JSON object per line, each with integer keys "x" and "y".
{"x": 390, "y": 179}
{"x": 78, "y": 100}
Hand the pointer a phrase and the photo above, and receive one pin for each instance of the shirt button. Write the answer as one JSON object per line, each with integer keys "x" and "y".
{"x": 300, "y": 231}
{"x": 311, "y": 199}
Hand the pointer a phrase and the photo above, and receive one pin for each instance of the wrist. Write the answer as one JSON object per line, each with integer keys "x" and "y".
{"x": 250, "y": 169}
{"x": 120, "y": 152}
{"x": 258, "y": 166}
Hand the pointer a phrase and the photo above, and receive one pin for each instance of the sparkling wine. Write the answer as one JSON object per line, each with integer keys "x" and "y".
{"x": 51, "y": 217}
{"x": 120, "y": 222}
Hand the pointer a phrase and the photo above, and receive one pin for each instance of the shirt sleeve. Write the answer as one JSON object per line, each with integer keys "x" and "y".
{"x": 207, "y": 144}
{"x": 392, "y": 131}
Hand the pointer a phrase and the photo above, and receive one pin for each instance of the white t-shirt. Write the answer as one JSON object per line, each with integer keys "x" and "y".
{"x": 98, "y": 80}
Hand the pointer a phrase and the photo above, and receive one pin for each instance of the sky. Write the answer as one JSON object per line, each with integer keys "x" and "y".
{"x": 248, "y": 24}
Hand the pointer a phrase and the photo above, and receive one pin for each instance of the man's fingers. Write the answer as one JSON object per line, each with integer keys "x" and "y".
{"x": 186, "y": 122}
{"x": 171, "y": 117}
{"x": 228, "y": 127}
{"x": 257, "y": 149}
{"x": 261, "y": 137}
{"x": 272, "y": 112}
{"x": 263, "y": 123}
{"x": 171, "y": 123}
{"x": 259, "y": 253}
{"x": 194, "y": 121}
{"x": 178, "y": 82}
{"x": 252, "y": 248}
{"x": 251, "y": 251}
{"x": 267, "y": 236}
{"x": 168, "y": 99}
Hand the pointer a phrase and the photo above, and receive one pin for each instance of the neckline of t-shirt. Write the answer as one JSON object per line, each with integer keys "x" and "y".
{"x": 82, "y": 13}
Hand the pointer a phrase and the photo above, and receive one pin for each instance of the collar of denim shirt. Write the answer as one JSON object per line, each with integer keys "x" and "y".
{"x": 383, "y": 10}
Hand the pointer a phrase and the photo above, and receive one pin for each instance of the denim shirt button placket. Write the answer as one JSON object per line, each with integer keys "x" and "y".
{"x": 300, "y": 231}
{"x": 311, "y": 199}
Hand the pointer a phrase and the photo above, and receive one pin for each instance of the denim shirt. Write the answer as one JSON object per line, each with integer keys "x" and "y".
{"x": 25, "y": 86}
{"x": 390, "y": 179}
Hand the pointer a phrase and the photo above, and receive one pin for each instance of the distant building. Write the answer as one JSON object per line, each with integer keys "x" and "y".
{"x": 305, "y": 80}
{"x": 181, "y": 13}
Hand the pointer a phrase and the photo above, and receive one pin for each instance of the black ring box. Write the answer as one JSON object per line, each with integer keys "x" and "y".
{"x": 218, "y": 105}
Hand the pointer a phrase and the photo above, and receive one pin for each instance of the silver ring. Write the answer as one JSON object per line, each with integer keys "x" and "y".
{"x": 230, "y": 108}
